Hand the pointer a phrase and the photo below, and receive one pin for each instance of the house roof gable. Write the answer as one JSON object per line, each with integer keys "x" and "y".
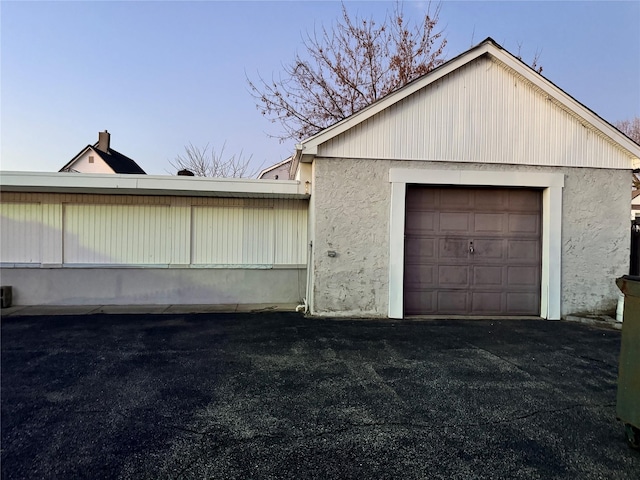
{"x": 273, "y": 167}
{"x": 115, "y": 160}
{"x": 118, "y": 162}
{"x": 307, "y": 149}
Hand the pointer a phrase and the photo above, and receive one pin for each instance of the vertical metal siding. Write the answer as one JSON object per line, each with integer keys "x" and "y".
{"x": 81, "y": 229}
{"x": 217, "y": 235}
{"x": 250, "y": 235}
{"x": 290, "y": 232}
{"x": 51, "y": 241}
{"x": 117, "y": 234}
{"x": 232, "y": 236}
{"x": 258, "y": 238}
{"x": 20, "y": 232}
{"x": 181, "y": 231}
{"x": 482, "y": 112}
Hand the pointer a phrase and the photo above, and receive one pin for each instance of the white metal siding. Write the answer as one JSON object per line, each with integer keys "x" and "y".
{"x": 482, "y": 112}
{"x": 117, "y": 234}
{"x": 122, "y": 230}
{"x": 232, "y": 236}
{"x": 290, "y": 226}
{"x": 20, "y": 233}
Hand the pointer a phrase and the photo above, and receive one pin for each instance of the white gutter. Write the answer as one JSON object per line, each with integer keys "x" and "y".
{"x": 64, "y": 182}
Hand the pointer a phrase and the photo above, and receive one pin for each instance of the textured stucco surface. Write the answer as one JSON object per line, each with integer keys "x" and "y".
{"x": 143, "y": 286}
{"x": 352, "y": 205}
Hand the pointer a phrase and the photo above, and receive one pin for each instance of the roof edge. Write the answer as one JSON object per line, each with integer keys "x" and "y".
{"x": 142, "y": 184}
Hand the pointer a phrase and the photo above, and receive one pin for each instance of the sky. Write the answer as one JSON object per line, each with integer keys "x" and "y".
{"x": 159, "y": 75}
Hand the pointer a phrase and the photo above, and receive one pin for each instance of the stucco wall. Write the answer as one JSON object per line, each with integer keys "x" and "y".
{"x": 352, "y": 204}
{"x": 154, "y": 286}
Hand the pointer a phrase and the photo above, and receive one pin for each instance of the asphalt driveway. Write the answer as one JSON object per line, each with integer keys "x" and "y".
{"x": 277, "y": 395}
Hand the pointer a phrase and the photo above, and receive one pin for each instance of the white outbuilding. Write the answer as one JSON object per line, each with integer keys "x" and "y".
{"x": 479, "y": 189}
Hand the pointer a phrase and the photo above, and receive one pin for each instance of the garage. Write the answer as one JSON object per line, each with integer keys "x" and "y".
{"x": 479, "y": 189}
{"x": 472, "y": 251}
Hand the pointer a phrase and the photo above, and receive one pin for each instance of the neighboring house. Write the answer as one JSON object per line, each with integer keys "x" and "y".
{"x": 478, "y": 189}
{"x": 279, "y": 171}
{"x": 101, "y": 158}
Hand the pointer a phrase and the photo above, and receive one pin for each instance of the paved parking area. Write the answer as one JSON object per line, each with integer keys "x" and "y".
{"x": 277, "y": 395}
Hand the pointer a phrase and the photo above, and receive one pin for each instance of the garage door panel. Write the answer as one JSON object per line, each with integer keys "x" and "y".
{"x": 452, "y": 302}
{"x": 454, "y": 222}
{"x": 523, "y": 276}
{"x": 487, "y": 249}
{"x": 501, "y": 276}
{"x": 523, "y": 250}
{"x": 453, "y": 198}
{"x": 524, "y": 223}
{"x": 488, "y": 276}
{"x": 421, "y": 199}
{"x": 522, "y": 303}
{"x": 420, "y": 222}
{"x": 453, "y": 248}
{"x": 453, "y": 276}
{"x": 418, "y": 302}
{"x": 491, "y": 223}
{"x": 523, "y": 200}
{"x": 419, "y": 276}
{"x": 491, "y": 200}
{"x": 420, "y": 248}
{"x": 486, "y": 303}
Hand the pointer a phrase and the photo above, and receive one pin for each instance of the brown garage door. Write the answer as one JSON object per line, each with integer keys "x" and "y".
{"x": 472, "y": 251}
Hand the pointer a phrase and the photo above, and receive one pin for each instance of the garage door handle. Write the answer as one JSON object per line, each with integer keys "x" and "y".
{"x": 471, "y": 249}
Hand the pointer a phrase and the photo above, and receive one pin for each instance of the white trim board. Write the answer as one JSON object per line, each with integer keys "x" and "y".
{"x": 551, "y": 183}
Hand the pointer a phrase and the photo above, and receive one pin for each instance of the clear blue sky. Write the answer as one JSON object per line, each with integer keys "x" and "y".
{"x": 159, "y": 75}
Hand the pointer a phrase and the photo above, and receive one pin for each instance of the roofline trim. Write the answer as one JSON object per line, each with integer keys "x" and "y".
{"x": 139, "y": 184}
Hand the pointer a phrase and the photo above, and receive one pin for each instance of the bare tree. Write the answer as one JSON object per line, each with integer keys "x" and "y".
{"x": 346, "y": 68}
{"x": 205, "y": 162}
{"x": 631, "y": 128}
{"x": 535, "y": 63}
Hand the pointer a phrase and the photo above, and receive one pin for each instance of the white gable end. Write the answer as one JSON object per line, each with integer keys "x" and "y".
{"x": 90, "y": 162}
{"x": 481, "y": 112}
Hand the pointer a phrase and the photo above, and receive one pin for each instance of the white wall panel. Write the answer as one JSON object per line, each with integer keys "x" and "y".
{"x": 117, "y": 234}
{"x": 258, "y": 237}
{"x": 217, "y": 235}
{"x": 51, "y": 240}
{"x": 20, "y": 232}
{"x": 290, "y": 232}
{"x": 224, "y": 235}
{"x": 484, "y": 113}
{"x": 57, "y": 230}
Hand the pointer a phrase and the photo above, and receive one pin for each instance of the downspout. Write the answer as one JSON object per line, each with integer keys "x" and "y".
{"x": 304, "y": 306}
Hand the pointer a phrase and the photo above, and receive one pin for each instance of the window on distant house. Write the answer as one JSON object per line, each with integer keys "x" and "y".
{"x": 90, "y": 158}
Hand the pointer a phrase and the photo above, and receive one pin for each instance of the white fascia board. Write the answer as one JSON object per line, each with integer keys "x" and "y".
{"x": 309, "y": 147}
{"x": 62, "y": 182}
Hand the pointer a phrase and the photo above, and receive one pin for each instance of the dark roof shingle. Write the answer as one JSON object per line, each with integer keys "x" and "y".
{"x": 118, "y": 162}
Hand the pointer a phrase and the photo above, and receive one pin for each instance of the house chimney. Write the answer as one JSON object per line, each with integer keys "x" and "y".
{"x": 104, "y": 138}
